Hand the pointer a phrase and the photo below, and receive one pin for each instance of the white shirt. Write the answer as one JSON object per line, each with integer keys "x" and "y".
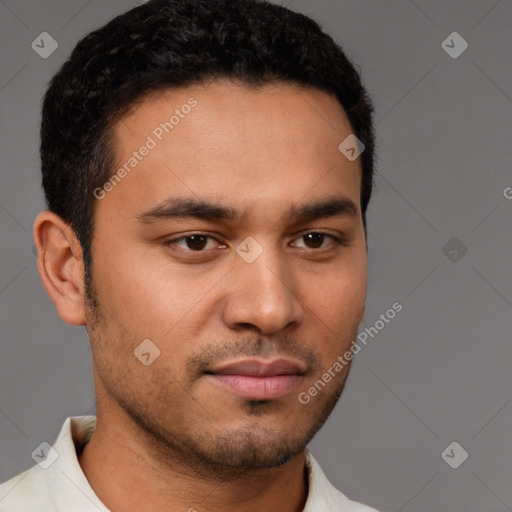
{"x": 57, "y": 483}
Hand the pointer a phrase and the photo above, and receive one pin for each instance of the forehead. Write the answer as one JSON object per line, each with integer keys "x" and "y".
{"x": 227, "y": 140}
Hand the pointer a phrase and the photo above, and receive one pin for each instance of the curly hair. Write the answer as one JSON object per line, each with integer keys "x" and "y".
{"x": 166, "y": 44}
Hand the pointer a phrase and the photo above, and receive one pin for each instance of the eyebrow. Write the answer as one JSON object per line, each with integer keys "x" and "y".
{"x": 176, "y": 208}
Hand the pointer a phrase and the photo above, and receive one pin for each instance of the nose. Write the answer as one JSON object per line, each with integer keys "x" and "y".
{"x": 262, "y": 296}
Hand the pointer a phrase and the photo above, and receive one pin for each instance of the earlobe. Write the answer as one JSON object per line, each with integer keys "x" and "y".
{"x": 60, "y": 265}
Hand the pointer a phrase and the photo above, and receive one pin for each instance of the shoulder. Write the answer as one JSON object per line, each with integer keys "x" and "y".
{"x": 324, "y": 496}
{"x": 26, "y": 491}
{"x": 35, "y": 489}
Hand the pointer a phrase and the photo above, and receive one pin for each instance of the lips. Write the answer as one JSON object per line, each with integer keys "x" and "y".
{"x": 257, "y": 378}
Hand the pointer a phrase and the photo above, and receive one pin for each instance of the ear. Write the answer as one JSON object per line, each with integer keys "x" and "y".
{"x": 60, "y": 265}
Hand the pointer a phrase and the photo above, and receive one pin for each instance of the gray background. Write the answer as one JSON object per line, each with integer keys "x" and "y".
{"x": 440, "y": 370}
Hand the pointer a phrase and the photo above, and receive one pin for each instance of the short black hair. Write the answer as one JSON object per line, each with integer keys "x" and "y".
{"x": 166, "y": 44}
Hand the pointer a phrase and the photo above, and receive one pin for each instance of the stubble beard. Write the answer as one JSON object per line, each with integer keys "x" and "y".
{"x": 208, "y": 450}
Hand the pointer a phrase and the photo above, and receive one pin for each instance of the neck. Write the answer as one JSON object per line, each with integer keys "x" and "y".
{"x": 120, "y": 464}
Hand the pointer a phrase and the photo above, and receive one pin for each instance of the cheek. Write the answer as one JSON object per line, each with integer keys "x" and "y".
{"x": 140, "y": 293}
{"x": 340, "y": 289}
{"x": 152, "y": 298}
{"x": 337, "y": 304}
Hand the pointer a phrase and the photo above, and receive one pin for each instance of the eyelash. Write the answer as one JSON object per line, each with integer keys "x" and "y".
{"x": 336, "y": 240}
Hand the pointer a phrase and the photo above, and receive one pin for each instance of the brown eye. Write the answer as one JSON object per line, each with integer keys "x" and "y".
{"x": 314, "y": 240}
{"x": 196, "y": 242}
{"x": 191, "y": 243}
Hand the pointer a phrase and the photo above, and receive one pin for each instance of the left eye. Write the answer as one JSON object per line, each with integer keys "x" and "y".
{"x": 315, "y": 239}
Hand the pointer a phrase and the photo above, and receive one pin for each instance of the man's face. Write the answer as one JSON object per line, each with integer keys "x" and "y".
{"x": 243, "y": 325}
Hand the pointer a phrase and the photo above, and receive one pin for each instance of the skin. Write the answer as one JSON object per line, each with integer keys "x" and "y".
{"x": 167, "y": 436}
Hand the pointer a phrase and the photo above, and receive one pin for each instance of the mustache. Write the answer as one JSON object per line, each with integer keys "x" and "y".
{"x": 277, "y": 346}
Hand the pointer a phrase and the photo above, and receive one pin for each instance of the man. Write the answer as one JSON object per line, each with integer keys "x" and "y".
{"x": 207, "y": 166}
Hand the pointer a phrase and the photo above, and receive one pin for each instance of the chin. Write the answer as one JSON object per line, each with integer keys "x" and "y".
{"x": 251, "y": 450}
